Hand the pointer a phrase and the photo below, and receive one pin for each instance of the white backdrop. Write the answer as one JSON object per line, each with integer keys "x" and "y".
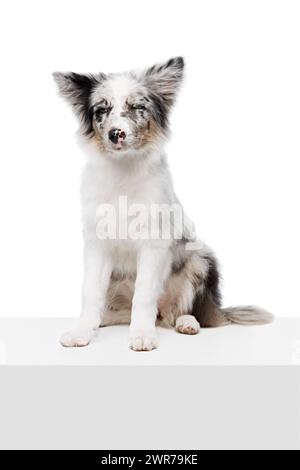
{"x": 234, "y": 153}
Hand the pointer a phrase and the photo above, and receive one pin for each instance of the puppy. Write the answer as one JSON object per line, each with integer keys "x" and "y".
{"x": 143, "y": 264}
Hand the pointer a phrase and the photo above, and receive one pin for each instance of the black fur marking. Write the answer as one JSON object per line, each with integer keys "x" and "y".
{"x": 101, "y": 104}
{"x": 77, "y": 89}
{"x": 180, "y": 264}
{"x": 84, "y": 86}
{"x": 176, "y": 62}
{"x": 101, "y": 110}
{"x": 212, "y": 282}
{"x": 151, "y": 70}
{"x": 206, "y": 305}
{"x": 163, "y": 81}
{"x": 177, "y": 267}
{"x": 159, "y": 110}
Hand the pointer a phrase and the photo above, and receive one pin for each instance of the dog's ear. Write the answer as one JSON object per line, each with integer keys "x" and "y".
{"x": 77, "y": 89}
{"x": 163, "y": 82}
{"x": 165, "y": 79}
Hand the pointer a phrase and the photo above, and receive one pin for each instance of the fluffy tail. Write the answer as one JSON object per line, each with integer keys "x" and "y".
{"x": 247, "y": 315}
{"x": 207, "y": 303}
{"x": 209, "y": 314}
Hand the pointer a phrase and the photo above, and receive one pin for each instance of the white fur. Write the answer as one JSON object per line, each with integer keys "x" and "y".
{"x": 144, "y": 181}
{"x": 187, "y": 324}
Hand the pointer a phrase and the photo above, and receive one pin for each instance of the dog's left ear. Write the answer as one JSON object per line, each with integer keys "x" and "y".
{"x": 164, "y": 80}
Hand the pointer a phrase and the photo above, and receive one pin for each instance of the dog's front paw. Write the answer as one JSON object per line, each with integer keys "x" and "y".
{"x": 143, "y": 340}
{"x": 77, "y": 337}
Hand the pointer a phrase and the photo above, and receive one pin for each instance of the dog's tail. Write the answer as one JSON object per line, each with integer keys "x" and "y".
{"x": 210, "y": 314}
{"x": 247, "y": 315}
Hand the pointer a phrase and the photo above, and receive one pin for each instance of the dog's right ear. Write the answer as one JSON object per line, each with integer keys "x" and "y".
{"x": 76, "y": 89}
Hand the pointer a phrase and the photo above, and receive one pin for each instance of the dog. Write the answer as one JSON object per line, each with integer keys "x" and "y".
{"x": 136, "y": 278}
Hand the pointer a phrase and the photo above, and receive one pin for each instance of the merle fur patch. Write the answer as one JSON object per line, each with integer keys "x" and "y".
{"x": 77, "y": 89}
{"x": 161, "y": 83}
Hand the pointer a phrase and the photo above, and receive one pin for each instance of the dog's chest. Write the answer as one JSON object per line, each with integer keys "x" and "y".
{"x": 117, "y": 201}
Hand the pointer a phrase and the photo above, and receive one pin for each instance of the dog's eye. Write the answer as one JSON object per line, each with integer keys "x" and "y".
{"x": 138, "y": 106}
{"x": 100, "y": 111}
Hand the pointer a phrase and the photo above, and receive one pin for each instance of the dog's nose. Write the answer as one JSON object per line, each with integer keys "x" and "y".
{"x": 116, "y": 136}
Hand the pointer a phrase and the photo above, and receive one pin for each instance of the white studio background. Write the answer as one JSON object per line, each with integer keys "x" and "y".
{"x": 234, "y": 153}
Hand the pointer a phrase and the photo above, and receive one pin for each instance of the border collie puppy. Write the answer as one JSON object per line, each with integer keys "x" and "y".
{"x": 133, "y": 276}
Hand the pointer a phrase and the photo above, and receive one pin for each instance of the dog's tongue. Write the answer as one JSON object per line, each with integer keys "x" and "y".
{"x": 120, "y": 142}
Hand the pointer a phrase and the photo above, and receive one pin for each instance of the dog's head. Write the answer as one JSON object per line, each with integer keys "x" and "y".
{"x": 127, "y": 111}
